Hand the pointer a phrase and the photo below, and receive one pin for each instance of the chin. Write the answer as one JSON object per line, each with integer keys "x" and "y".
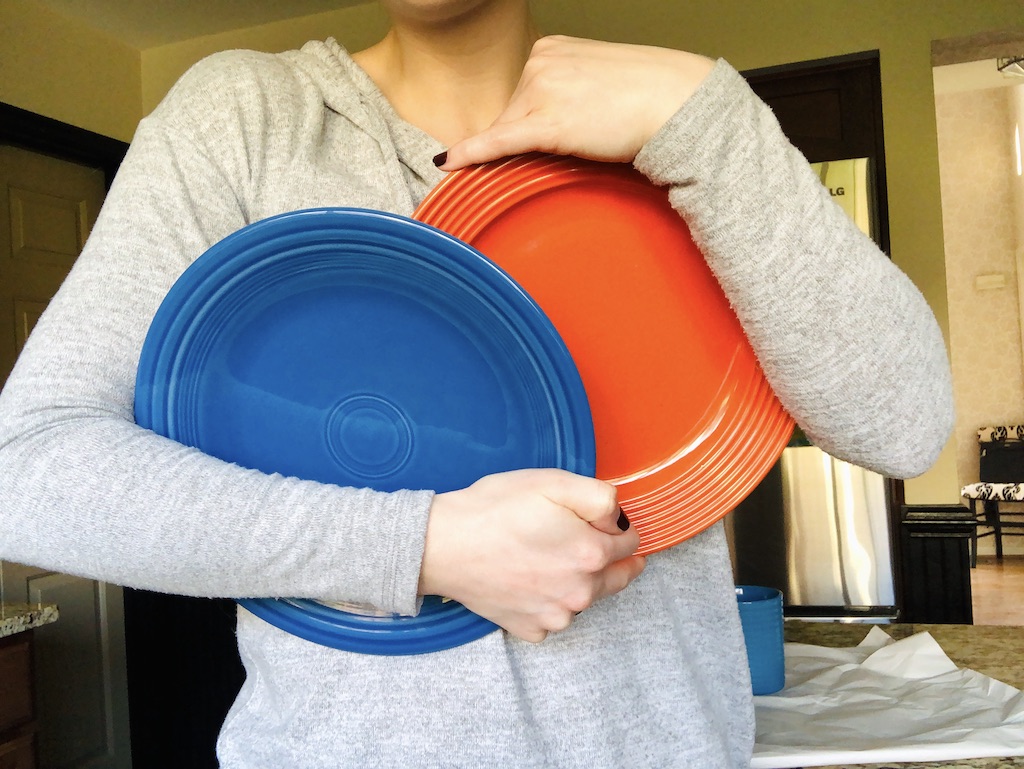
{"x": 441, "y": 11}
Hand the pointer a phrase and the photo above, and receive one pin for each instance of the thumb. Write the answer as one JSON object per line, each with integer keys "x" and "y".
{"x": 592, "y": 500}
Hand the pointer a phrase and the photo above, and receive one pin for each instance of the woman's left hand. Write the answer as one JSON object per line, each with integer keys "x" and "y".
{"x": 596, "y": 100}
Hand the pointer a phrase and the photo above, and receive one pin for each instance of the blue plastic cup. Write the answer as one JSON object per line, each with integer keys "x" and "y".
{"x": 761, "y": 616}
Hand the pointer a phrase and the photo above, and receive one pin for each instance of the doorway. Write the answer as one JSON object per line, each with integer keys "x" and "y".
{"x": 979, "y": 114}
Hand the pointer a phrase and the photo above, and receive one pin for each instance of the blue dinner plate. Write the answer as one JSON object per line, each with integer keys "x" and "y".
{"x": 365, "y": 349}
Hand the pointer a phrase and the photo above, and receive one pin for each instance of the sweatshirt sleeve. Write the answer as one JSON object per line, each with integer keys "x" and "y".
{"x": 85, "y": 490}
{"x": 847, "y": 341}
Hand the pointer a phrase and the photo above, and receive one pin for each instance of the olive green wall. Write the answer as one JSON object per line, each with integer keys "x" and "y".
{"x": 60, "y": 69}
{"x": 355, "y": 28}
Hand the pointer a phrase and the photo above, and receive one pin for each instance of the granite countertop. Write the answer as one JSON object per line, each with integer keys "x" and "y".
{"x": 19, "y": 617}
{"x": 996, "y": 651}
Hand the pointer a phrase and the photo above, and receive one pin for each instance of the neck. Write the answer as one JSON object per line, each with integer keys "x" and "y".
{"x": 452, "y": 78}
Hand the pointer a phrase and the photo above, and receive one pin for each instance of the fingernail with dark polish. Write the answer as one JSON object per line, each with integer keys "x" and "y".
{"x": 623, "y": 521}
{"x": 441, "y": 158}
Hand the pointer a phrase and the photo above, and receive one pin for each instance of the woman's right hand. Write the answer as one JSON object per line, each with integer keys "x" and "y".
{"x": 529, "y": 549}
{"x": 590, "y": 98}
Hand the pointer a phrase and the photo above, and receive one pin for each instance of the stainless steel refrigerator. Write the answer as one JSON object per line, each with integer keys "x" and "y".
{"x": 818, "y": 528}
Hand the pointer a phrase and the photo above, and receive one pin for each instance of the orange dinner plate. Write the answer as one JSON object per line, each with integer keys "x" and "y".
{"x": 685, "y": 423}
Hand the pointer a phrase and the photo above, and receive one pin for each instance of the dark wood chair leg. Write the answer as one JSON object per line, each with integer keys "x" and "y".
{"x": 974, "y": 534}
{"x": 974, "y": 548}
{"x": 992, "y": 515}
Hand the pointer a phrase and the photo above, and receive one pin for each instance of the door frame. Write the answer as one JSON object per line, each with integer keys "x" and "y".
{"x": 29, "y": 130}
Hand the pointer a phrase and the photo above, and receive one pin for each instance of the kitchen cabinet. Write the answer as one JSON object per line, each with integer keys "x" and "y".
{"x": 79, "y": 667}
{"x": 935, "y": 548}
{"x": 17, "y": 703}
{"x": 18, "y": 721}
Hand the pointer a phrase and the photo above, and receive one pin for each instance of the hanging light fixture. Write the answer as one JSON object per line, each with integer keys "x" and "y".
{"x": 1013, "y": 65}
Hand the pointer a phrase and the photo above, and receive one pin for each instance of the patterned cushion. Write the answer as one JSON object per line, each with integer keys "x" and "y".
{"x": 1007, "y": 492}
{"x": 1001, "y": 433}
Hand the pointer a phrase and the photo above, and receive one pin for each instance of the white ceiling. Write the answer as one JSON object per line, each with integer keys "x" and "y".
{"x": 144, "y": 24}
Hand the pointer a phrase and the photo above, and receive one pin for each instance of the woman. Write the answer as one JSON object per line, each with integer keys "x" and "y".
{"x": 600, "y": 665}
